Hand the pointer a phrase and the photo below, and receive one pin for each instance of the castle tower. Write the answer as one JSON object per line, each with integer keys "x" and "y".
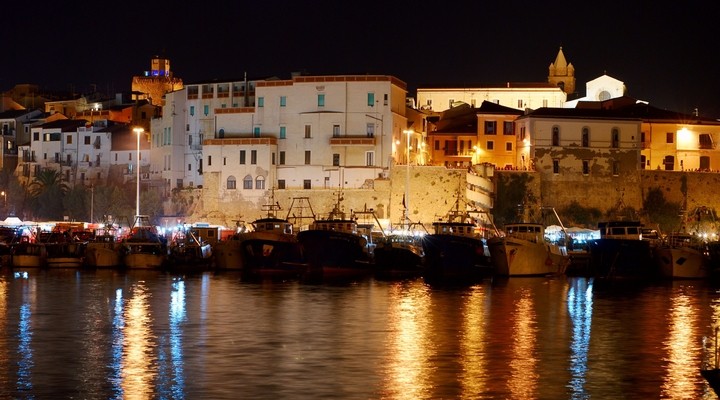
{"x": 562, "y": 73}
{"x": 153, "y": 84}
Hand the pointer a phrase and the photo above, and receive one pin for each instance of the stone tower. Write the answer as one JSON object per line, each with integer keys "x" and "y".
{"x": 562, "y": 73}
{"x": 155, "y": 83}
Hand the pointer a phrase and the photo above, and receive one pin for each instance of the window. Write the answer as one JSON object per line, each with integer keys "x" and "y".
{"x": 508, "y": 128}
{"x": 224, "y": 160}
{"x": 192, "y": 113}
{"x": 508, "y": 146}
{"x": 336, "y": 160}
{"x": 206, "y": 110}
{"x": 307, "y": 157}
{"x": 256, "y": 131}
{"x": 385, "y": 99}
{"x": 370, "y": 99}
{"x": 283, "y": 101}
{"x": 283, "y": 133}
{"x": 260, "y": 102}
{"x": 336, "y": 130}
{"x": 36, "y": 136}
{"x": 586, "y": 167}
{"x": 615, "y": 138}
{"x": 308, "y": 131}
{"x": 669, "y": 137}
{"x": 544, "y": 103}
{"x": 253, "y": 157}
{"x": 556, "y": 136}
{"x": 585, "y": 137}
{"x": 87, "y": 140}
{"x": 556, "y": 166}
{"x": 490, "y": 145}
{"x": 282, "y": 158}
{"x": 69, "y": 139}
{"x": 706, "y": 141}
{"x": 260, "y": 182}
{"x": 370, "y": 129}
{"x": 369, "y": 158}
{"x": 242, "y": 156}
{"x": 247, "y": 182}
{"x": 209, "y": 161}
{"x": 490, "y": 127}
{"x": 273, "y": 158}
{"x": 321, "y": 100}
{"x": 520, "y": 104}
{"x": 231, "y": 184}
{"x": 281, "y": 183}
{"x": 437, "y": 145}
{"x": 189, "y": 167}
{"x": 307, "y": 184}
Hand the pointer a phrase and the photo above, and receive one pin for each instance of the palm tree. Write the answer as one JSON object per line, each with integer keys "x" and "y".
{"x": 46, "y": 194}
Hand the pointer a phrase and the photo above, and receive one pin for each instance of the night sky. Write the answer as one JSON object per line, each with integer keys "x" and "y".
{"x": 666, "y": 54}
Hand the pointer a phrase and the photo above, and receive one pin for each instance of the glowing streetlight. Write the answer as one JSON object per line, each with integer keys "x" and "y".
{"x": 138, "y": 131}
{"x": 407, "y": 133}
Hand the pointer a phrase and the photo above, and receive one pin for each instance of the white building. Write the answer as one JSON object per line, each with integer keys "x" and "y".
{"x": 600, "y": 89}
{"x": 514, "y": 95}
{"x": 308, "y": 132}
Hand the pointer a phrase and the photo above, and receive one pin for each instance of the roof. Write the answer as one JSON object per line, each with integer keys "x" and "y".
{"x": 65, "y": 125}
{"x": 14, "y": 114}
{"x": 480, "y": 86}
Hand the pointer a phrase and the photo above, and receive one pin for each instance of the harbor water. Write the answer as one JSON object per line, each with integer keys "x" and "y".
{"x": 155, "y": 335}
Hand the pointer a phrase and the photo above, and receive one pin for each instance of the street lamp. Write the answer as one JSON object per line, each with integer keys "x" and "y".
{"x": 408, "y": 133}
{"x": 138, "y": 131}
{"x": 4, "y": 195}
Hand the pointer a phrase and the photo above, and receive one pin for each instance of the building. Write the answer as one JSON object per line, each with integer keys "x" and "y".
{"x": 153, "y": 84}
{"x": 15, "y": 127}
{"x": 518, "y": 95}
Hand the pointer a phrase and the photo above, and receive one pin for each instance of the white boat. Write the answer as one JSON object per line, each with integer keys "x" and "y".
{"x": 143, "y": 248}
{"x": 683, "y": 256}
{"x": 525, "y": 250}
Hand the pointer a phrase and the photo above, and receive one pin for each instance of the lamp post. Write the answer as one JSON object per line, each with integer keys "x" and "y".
{"x": 4, "y": 195}
{"x": 138, "y": 131}
{"x": 407, "y": 133}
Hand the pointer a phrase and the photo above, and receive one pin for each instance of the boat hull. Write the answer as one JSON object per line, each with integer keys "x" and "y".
{"x": 517, "y": 257}
{"x": 269, "y": 254}
{"x": 398, "y": 259}
{"x": 682, "y": 263}
{"x": 455, "y": 258}
{"x": 143, "y": 261}
{"x": 102, "y": 255}
{"x": 334, "y": 254}
{"x": 621, "y": 258}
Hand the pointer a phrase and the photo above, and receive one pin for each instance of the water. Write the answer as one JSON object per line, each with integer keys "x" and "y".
{"x": 137, "y": 335}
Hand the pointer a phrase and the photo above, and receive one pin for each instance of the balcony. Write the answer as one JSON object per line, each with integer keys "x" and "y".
{"x": 260, "y": 141}
{"x": 359, "y": 140}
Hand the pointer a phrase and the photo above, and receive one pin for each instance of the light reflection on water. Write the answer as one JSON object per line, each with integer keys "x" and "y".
{"x": 143, "y": 335}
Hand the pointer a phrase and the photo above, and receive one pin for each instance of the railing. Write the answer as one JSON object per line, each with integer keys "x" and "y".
{"x": 355, "y": 140}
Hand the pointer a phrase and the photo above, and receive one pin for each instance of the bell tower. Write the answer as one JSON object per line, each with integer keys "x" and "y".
{"x": 562, "y": 73}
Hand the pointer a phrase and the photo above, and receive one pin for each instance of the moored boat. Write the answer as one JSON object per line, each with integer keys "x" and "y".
{"x": 400, "y": 253}
{"x": 526, "y": 250}
{"x": 103, "y": 249}
{"x": 682, "y": 255}
{"x": 456, "y": 251}
{"x": 270, "y": 248}
{"x": 334, "y": 248}
{"x": 143, "y": 248}
{"x": 621, "y": 252}
{"x": 191, "y": 247}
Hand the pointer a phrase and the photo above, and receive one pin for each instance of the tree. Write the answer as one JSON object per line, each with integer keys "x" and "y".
{"x": 512, "y": 191}
{"x": 660, "y": 211}
{"x": 47, "y": 191}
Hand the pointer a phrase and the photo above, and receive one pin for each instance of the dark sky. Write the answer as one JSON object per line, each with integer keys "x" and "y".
{"x": 664, "y": 53}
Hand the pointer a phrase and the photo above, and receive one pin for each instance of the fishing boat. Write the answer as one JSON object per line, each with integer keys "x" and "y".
{"x": 526, "y": 250}
{"x": 334, "y": 246}
{"x": 103, "y": 249}
{"x": 621, "y": 252}
{"x": 685, "y": 254}
{"x": 270, "y": 248}
{"x": 143, "y": 248}
{"x": 28, "y": 252}
{"x": 191, "y": 247}
{"x": 400, "y": 253}
{"x": 456, "y": 250}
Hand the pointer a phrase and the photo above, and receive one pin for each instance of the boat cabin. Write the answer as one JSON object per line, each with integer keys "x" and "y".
{"x": 531, "y": 232}
{"x": 628, "y": 230}
{"x": 273, "y": 225}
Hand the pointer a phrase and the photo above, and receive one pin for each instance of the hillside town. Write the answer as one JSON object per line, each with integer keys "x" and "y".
{"x": 212, "y": 151}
